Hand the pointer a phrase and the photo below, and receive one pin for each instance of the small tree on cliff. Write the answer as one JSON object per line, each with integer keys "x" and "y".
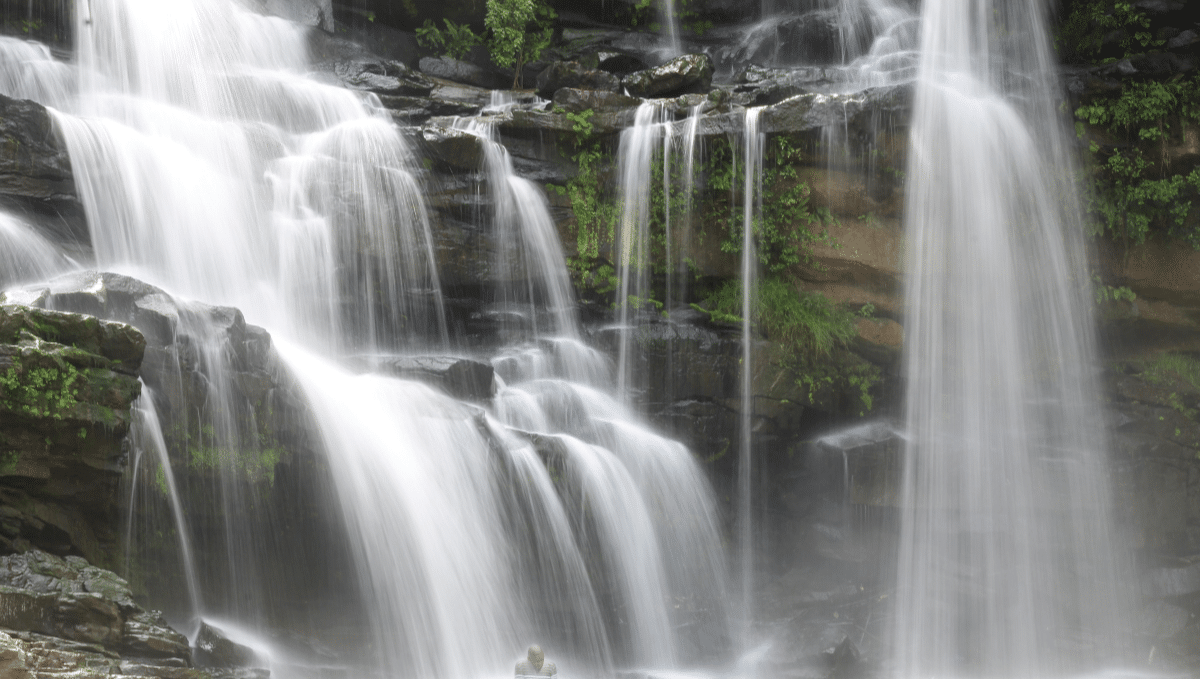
{"x": 520, "y": 31}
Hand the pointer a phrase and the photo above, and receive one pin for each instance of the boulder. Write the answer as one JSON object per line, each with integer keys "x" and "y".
{"x": 13, "y": 659}
{"x": 35, "y": 174}
{"x": 463, "y": 72}
{"x": 462, "y": 378}
{"x": 452, "y": 149}
{"x": 417, "y": 110}
{"x": 316, "y": 13}
{"x": 82, "y": 608}
{"x": 689, "y": 73}
{"x": 562, "y": 74}
{"x": 67, "y": 385}
{"x": 33, "y": 161}
{"x": 575, "y": 100}
{"x": 215, "y": 649}
{"x": 871, "y": 459}
{"x": 383, "y": 77}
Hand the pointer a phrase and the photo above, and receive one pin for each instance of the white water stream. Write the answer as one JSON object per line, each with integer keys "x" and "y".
{"x": 1007, "y": 564}
{"x": 211, "y": 165}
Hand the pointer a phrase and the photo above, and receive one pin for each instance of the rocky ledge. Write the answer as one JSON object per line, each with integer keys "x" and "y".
{"x": 63, "y": 617}
{"x": 67, "y": 383}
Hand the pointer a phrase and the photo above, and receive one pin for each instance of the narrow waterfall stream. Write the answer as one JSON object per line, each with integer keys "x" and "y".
{"x": 751, "y": 213}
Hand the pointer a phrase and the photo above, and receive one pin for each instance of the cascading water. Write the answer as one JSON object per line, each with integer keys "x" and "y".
{"x": 25, "y": 255}
{"x": 532, "y": 276}
{"x": 1007, "y": 564}
{"x": 210, "y": 165}
{"x": 29, "y": 71}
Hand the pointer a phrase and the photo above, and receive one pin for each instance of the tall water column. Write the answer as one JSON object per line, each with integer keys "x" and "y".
{"x": 1007, "y": 565}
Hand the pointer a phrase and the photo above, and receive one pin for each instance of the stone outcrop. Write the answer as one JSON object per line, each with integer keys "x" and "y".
{"x": 562, "y": 74}
{"x": 35, "y": 172}
{"x": 231, "y": 418}
{"x": 69, "y": 608}
{"x": 464, "y": 72}
{"x": 67, "y": 382}
{"x": 460, "y": 378}
{"x": 687, "y": 74}
{"x": 316, "y": 13}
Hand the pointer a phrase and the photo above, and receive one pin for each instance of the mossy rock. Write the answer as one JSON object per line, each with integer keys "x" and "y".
{"x": 67, "y": 386}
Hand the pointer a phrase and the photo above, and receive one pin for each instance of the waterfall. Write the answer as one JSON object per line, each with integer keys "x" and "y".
{"x": 25, "y": 255}
{"x": 636, "y": 157}
{"x": 29, "y": 71}
{"x": 752, "y": 208}
{"x": 530, "y": 264}
{"x": 147, "y": 436}
{"x": 211, "y": 164}
{"x": 674, "y": 46}
{"x": 1007, "y": 565}
{"x": 212, "y": 181}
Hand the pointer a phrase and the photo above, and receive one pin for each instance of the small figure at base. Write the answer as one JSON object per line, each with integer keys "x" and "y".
{"x": 536, "y": 665}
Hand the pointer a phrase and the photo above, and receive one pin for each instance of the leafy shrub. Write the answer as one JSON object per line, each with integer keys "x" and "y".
{"x": 454, "y": 42}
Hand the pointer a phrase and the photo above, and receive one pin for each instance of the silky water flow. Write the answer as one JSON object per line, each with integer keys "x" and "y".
{"x": 211, "y": 166}
{"x": 1008, "y": 567}
{"x": 553, "y": 514}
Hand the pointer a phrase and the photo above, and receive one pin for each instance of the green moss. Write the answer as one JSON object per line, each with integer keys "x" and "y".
{"x": 160, "y": 481}
{"x": 39, "y": 391}
{"x": 1172, "y": 370}
{"x": 8, "y": 462}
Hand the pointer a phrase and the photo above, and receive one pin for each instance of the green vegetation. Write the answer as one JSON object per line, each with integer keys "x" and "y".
{"x": 8, "y": 462}
{"x": 455, "y": 42}
{"x": 809, "y": 329}
{"x": 1107, "y": 293}
{"x": 812, "y": 331}
{"x": 520, "y": 31}
{"x": 39, "y": 391}
{"x": 788, "y": 225}
{"x": 1173, "y": 370}
{"x": 1089, "y": 23}
{"x": 808, "y": 323}
{"x": 252, "y": 451}
{"x": 596, "y": 213}
{"x": 644, "y": 13}
{"x": 1133, "y": 186}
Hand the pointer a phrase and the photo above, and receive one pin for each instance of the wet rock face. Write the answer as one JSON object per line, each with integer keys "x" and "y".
{"x": 214, "y": 649}
{"x": 35, "y": 171}
{"x": 316, "y": 13}
{"x": 562, "y": 74}
{"x": 463, "y": 72}
{"x": 383, "y": 77}
{"x": 67, "y": 383}
{"x": 33, "y": 164}
{"x": 461, "y": 378}
{"x": 682, "y": 75}
{"x": 575, "y": 100}
{"x": 69, "y": 600}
